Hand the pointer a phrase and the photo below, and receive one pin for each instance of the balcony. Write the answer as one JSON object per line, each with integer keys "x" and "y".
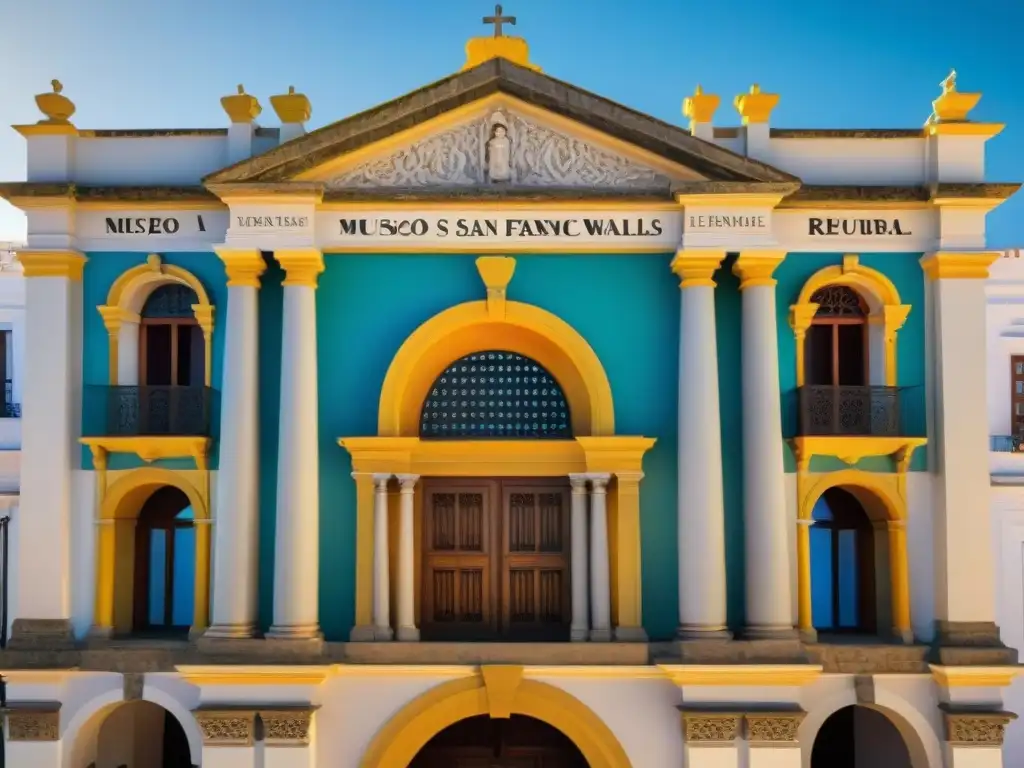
{"x": 153, "y": 422}
{"x": 1006, "y": 458}
{"x": 853, "y": 422}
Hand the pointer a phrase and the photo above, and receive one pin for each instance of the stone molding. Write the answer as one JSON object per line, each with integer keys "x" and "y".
{"x": 33, "y": 722}
{"x": 976, "y": 729}
{"x": 708, "y": 729}
{"x": 286, "y": 727}
{"x": 777, "y": 729}
{"x": 227, "y": 727}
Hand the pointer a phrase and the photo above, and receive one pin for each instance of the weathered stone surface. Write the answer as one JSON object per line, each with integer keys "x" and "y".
{"x": 707, "y": 728}
{"x": 870, "y": 659}
{"x": 774, "y": 728}
{"x": 975, "y": 727}
{"x": 226, "y": 728}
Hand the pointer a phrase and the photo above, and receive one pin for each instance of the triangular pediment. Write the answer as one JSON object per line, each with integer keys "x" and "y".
{"x": 445, "y": 136}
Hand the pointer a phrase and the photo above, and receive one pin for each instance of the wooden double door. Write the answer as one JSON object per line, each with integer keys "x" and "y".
{"x": 495, "y": 557}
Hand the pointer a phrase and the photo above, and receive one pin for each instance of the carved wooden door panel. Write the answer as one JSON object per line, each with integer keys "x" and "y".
{"x": 459, "y": 597}
{"x": 535, "y": 590}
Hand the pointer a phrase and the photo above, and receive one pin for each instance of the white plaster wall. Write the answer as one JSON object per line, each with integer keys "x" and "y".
{"x": 849, "y": 161}
{"x": 83, "y": 554}
{"x": 1008, "y": 556}
{"x": 148, "y": 160}
{"x": 921, "y": 554}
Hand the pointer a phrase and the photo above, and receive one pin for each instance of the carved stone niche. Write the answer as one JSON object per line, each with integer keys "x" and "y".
{"x": 287, "y": 726}
{"x": 774, "y": 729}
{"x": 967, "y": 727}
{"x": 704, "y": 728}
{"x": 227, "y": 727}
{"x": 32, "y": 720}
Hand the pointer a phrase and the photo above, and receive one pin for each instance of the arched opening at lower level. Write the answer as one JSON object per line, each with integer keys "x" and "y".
{"x": 858, "y": 737}
{"x": 135, "y": 734}
{"x": 164, "y": 584}
{"x": 516, "y": 742}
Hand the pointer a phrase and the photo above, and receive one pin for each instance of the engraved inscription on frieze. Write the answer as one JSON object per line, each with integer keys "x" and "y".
{"x": 501, "y": 148}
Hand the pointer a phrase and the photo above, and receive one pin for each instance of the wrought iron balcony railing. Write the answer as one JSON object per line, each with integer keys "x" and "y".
{"x": 845, "y": 411}
{"x": 148, "y": 411}
{"x": 1006, "y": 443}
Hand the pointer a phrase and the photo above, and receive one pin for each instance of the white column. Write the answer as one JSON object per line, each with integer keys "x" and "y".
{"x": 236, "y": 506}
{"x": 769, "y": 605}
{"x": 964, "y": 589}
{"x": 128, "y": 353}
{"x": 600, "y": 578}
{"x": 580, "y": 627}
{"x": 407, "y": 630}
{"x": 51, "y": 425}
{"x": 702, "y": 601}
{"x": 297, "y": 554}
{"x": 381, "y": 563}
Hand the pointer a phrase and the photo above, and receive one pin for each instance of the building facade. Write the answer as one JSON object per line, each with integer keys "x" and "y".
{"x": 504, "y": 425}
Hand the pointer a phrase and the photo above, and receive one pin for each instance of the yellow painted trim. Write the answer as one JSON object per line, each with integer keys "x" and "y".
{"x": 204, "y": 675}
{"x": 755, "y": 106}
{"x": 525, "y": 330}
{"x": 400, "y": 740}
{"x": 617, "y": 250}
{"x": 624, "y": 552}
{"x": 985, "y": 130}
{"x": 46, "y": 129}
{"x": 883, "y": 304}
{"x": 39, "y": 676}
{"x": 481, "y": 49}
{"x": 302, "y": 266}
{"x": 755, "y": 268}
{"x": 122, "y": 500}
{"x": 856, "y": 205}
{"x": 243, "y": 266}
{"x": 150, "y": 205}
{"x": 69, "y": 264}
{"x": 974, "y": 677}
{"x": 128, "y": 293}
{"x": 851, "y": 449}
{"x": 695, "y": 268}
{"x": 405, "y": 670}
{"x": 883, "y": 497}
{"x": 730, "y": 200}
{"x": 150, "y": 447}
{"x": 484, "y": 106}
{"x": 950, "y": 265}
{"x": 742, "y": 674}
{"x": 496, "y": 272}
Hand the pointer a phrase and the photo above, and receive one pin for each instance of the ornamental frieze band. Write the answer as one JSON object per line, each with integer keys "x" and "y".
{"x": 977, "y": 729}
{"x": 775, "y": 728}
{"x": 707, "y": 728}
{"x": 227, "y": 728}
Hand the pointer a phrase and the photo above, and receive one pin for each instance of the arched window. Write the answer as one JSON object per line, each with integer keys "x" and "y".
{"x": 165, "y": 563}
{"x": 843, "y": 596}
{"x": 836, "y": 350}
{"x": 171, "y": 345}
{"x": 495, "y": 395}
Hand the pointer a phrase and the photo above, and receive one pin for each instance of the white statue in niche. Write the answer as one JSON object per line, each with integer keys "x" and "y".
{"x": 499, "y": 150}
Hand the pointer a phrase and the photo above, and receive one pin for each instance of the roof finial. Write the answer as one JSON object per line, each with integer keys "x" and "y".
{"x": 497, "y": 20}
{"x": 952, "y": 106}
{"x": 949, "y": 84}
{"x": 292, "y": 107}
{"x": 241, "y": 107}
{"x": 57, "y": 107}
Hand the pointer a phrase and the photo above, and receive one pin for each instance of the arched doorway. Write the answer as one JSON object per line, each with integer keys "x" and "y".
{"x": 858, "y": 736}
{"x": 164, "y": 585}
{"x": 482, "y": 742}
{"x": 141, "y": 734}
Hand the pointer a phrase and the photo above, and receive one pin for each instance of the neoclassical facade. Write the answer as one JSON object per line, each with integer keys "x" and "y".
{"x": 501, "y": 424}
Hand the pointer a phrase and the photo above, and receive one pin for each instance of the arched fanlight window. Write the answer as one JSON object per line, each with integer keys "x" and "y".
{"x": 837, "y": 341}
{"x": 495, "y": 394}
{"x": 171, "y": 344}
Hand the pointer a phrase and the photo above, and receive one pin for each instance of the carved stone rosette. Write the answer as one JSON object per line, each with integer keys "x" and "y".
{"x": 773, "y": 728}
{"x": 976, "y": 729}
{"x": 710, "y": 728}
{"x": 31, "y": 725}
{"x": 286, "y": 728}
{"x": 226, "y": 728}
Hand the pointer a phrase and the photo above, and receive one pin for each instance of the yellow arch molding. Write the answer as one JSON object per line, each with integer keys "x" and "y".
{"x": 883, "y": 497}
{"x": 129, "y": 292}
{"x": 498, "y": 692}
{"x": 118, "y": 511}
{"x": 520, "y": 328}
{"x": 878, "y": 291}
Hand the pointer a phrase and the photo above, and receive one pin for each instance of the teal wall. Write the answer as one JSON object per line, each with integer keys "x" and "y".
{"x": 625, "y": 306}
{"x": 102, "y": 269}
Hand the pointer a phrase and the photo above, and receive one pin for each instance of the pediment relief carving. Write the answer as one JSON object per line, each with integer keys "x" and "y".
{"x": 502, "y": 148}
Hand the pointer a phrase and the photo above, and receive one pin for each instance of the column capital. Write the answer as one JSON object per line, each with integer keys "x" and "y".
{"x": 302, "y": 266}
{"x": 380, "y": 479}
{"x": 62, "y": 263}
{"x": 629, "y": 477}
{"x": 696, "y": 267}
{"x": 578, "y": 481}
{"x": 958, "y": 265}
{"x": 408, "y": 482}
{"x": 599, "y": 481}
{"x": 755, "y": 268}
{"x": 243, "y": 265}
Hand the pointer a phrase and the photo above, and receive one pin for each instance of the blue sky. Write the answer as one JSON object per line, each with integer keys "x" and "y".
{"x": 838, "y": 63}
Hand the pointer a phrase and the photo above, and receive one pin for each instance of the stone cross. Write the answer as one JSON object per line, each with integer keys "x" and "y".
{"x": 497, "y": 20}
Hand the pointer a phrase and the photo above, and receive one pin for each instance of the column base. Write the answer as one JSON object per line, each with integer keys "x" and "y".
{"x": 970, "y": 643}
{"x": 362, "y": 633}
{"x": 409, "y": 634}
{"x": 293, "y": 632}
{"x": 905, "y": 636}
{"x": 579, "y": 634}
{"x": 630, "y": 635}
{"x": 229, "y": 631}
{"x": 694, "y": 632}
{"x": 97, "y": 632}
{"x": 49, "y": 634}
{"x": 784, "y": 632}
{"x": 600, "y": 635}
{"x": 809, "y": 635}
